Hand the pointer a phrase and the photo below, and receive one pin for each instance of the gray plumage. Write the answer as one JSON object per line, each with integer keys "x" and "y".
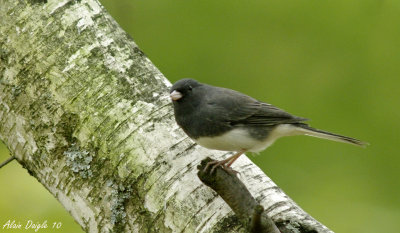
{"x": 208, "y": 112}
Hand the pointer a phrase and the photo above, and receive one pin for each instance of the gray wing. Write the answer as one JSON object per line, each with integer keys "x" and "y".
{"x": 235, "y": 108}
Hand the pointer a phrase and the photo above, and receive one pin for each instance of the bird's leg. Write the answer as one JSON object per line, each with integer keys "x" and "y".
{"x": 235, "y": 157}
{"x": 226, "y": 163}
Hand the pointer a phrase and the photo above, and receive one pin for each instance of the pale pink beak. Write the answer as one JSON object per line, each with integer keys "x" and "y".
{"x": 175, "y": 95}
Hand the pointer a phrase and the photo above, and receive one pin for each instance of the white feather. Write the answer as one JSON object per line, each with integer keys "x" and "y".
{"x": 240, "y": 139}
{"x": 234, "y": 140}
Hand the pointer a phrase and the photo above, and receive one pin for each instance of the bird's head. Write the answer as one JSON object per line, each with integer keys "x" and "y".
{"x": 183, "y": 89}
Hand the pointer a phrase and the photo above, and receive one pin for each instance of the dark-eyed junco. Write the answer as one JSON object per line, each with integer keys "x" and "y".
{"x": 224, "y": 119}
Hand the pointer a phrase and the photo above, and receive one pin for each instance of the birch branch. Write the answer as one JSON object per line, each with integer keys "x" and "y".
{"x": 87, "y": 114}
{"x": 250, "y": 213}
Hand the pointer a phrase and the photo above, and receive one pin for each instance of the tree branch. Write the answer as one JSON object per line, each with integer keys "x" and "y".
{"x": 236, "y": 195}
{"x": 247, "y": 209}
{"x": 88, "y": 115}
{"x": 7, "y": 161}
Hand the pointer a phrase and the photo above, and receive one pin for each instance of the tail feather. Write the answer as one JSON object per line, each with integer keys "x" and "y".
{"x": 307, "y": 130}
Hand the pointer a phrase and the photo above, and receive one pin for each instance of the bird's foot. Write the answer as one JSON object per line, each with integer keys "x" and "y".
{"x": 226, "y": 163}
{"x": 223, "y": 163}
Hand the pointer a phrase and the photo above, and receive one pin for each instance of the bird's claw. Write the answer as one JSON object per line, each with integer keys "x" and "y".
{"x": 215, "y": 164}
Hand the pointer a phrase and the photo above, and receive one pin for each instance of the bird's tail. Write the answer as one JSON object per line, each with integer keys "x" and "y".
{"x": 307, "y": 130}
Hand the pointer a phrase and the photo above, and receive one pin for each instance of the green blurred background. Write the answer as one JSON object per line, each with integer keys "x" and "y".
{"x": 335, "y": 62}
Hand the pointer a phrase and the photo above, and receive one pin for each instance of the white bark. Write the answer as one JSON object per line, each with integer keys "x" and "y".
{"x": 87, "y": 114}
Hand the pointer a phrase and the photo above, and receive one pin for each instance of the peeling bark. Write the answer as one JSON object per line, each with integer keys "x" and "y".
{"x": 87, "y": 114}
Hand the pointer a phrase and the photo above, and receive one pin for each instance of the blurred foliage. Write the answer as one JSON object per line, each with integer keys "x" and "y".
{"x": 335, "y": 62}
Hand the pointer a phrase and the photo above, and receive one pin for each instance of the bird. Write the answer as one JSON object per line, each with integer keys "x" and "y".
{"x": 224, "y": 119}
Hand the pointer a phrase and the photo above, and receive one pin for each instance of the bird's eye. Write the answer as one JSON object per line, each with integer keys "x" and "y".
{"x": 190, "y": 88}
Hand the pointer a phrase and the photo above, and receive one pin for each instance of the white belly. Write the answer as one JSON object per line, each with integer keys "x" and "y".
{"x": 239, "y": 139}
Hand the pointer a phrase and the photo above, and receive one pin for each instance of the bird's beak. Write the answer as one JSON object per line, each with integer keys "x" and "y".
{"x": 175, "y": 95}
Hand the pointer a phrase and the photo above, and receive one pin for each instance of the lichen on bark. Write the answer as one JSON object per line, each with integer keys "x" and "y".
{"x": 88, "y": 115}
